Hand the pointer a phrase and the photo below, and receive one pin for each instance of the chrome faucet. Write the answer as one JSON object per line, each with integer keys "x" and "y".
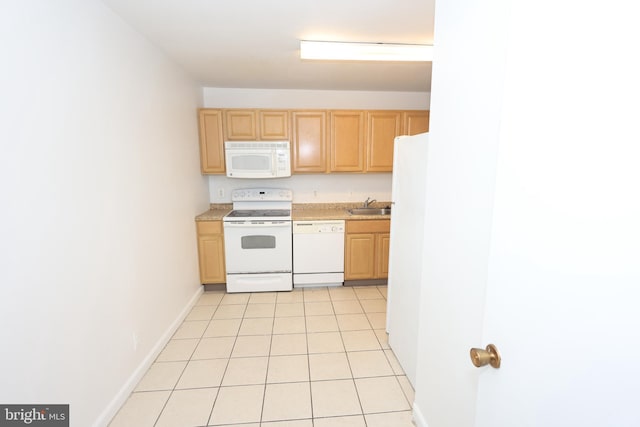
{"x": 368, "y": 202}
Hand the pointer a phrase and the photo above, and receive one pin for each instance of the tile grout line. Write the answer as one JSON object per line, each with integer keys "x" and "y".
{"x": 306, "y": 336}
{"x": 353, "y": 380}
{"x": 163, "y": 408}
{"x": 266, "y": 373}
{"x": 209, "y": 420}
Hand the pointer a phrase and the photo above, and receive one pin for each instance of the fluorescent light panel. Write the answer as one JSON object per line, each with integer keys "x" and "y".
{"x": 365, "y": 51}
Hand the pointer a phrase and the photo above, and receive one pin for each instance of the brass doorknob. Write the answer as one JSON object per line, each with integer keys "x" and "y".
{"x": 490, "y": 356}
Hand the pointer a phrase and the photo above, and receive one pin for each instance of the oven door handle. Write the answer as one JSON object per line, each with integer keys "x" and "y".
{"x": 245, "y": 224}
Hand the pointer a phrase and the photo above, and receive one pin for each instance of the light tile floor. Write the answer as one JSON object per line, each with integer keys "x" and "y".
{"x": 313, "y": 357}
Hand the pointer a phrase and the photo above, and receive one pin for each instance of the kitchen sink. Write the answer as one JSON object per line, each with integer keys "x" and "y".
{"x": 370, "y": 211}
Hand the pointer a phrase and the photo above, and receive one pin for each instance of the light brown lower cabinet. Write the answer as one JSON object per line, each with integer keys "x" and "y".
{"x": 367, "y": 249}
{"x": 382, "y": 245}
{"x": 211, "y": 252}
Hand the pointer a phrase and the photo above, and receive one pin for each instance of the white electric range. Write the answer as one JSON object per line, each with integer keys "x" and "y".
{"x": 258, "y": 240}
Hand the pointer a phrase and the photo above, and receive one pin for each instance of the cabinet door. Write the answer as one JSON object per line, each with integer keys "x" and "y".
{"x": 416, "y": 122}
{"x": 382, "y": 128}
{"x": 274, "y": 125}
{"x": 382, "y": 255}
{"x": 240, "y": 125}
{"x": 309, "y": 141}
{"x": 347, "y": 141}
{"x": 359, "y": 256}
{"x": 211, "y": 252}
{"x": 211, "y": 141}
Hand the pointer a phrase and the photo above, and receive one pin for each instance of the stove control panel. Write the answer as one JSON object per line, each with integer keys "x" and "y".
{"x": 262, "y": 194}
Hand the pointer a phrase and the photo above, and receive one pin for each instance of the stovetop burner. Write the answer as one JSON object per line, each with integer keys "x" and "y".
{"x": 260, "y": 204}
{"x": 259, "y": 213}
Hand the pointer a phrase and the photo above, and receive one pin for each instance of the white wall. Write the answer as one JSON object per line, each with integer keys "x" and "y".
{"x": 297, "y": 98}
{"x": 313, "y": 188}
{"x": 100, "y": 185}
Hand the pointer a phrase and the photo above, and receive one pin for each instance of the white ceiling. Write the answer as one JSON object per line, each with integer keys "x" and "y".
{"x": 255, "y": 43}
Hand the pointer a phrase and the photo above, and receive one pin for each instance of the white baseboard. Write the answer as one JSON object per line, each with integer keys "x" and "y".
{"x": 123, "y": 394}
{"x": 418, "y": 418}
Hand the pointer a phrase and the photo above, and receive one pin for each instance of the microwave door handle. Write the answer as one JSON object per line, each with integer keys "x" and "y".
{"x": 274, "y": 162}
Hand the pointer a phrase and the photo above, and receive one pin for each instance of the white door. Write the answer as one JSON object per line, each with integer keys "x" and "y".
{"x": 550, "y": 267}
{"x": 564, "y": 267}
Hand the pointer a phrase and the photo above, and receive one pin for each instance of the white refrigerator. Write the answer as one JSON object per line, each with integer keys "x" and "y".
{"x": 405, "y": 248}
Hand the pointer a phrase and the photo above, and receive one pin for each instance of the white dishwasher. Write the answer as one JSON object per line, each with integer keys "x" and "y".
{"x": 318, "y": 253}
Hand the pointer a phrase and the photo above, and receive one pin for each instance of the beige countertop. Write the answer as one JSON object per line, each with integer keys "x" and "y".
{"x": 328, "y": 211}
{"x": 215, "y": 212}
{"x": 304, "y": 211}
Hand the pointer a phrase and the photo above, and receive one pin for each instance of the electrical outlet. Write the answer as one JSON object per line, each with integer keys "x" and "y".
{"x": 220, "y": 193}
{"x": 315, "y": 193}
{"x": 134, "y": 339}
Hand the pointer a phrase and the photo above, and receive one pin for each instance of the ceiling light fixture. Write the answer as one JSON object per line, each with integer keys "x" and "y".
{"x": 365, "y": 51}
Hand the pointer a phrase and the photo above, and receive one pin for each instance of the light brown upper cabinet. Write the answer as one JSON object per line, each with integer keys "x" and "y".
{"x": 347, "y": 135}
{"x": 274, "y": 125}
{"x": 416, "y": 122}
{"x": 309, "y": 141}
{"x": 382, "y": 128}
{"x": 249, "y": 125}
{"x": 211, "y": 141}
{"x": 322, "y": 141}
{"x": 240, "y": 125}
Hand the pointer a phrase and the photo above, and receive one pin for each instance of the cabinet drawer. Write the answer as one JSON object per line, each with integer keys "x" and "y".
{"x": 369, "y": 226}
{"x": 209, "y": 227}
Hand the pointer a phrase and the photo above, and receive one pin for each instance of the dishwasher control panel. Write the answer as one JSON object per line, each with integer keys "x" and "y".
{"x": 313, "y": 227}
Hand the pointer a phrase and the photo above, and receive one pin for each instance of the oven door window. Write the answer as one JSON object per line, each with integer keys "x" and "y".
{"x": 258, "y": 242}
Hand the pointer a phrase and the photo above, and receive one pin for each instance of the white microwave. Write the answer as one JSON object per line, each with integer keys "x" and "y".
{"x": 257, "y": 159}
